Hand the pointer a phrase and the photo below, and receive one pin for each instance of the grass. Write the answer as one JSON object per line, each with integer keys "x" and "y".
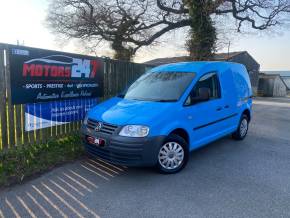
{"x": 19, "y": 163}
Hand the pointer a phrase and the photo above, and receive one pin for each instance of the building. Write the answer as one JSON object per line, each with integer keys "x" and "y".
{"x": 271, "y": 85}
{"x": 242, "y": 57}
{"x": 287, "y": 82}
{"x": 285, "y": 76}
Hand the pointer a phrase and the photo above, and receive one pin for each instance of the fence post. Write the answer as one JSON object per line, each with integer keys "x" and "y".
{"x": 19, "y": 125}
{"x": 11, "y": 127}
{"x": 3, "y": 115}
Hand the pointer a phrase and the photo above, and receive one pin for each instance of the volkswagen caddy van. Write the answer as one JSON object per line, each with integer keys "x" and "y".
{"x": 168, "y": 112}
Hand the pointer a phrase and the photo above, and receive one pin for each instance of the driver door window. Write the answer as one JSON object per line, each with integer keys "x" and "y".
{"x": 209, "y": 81}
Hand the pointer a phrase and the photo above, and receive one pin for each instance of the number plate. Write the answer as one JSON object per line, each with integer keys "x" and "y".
{"x": 96, "y": 141}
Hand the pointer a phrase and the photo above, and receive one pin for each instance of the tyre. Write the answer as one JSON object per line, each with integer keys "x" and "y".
{"x": 242, "y": 129}
{"x": 173, "y": 155}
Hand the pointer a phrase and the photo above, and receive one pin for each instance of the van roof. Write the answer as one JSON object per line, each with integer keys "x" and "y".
{"x": 196, "y": 66}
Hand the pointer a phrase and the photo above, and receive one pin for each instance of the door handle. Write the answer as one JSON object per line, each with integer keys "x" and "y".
{"x": 219, "y": 108}
{"x": 227, "y": 106}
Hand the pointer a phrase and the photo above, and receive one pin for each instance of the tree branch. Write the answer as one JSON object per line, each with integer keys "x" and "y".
{"x": 161, "y": 5}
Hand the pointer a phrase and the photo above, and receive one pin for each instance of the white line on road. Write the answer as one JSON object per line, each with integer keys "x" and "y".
{"x": 75, "y": 199}
{"x": 26, "y": 207}
{"x": 50, "y": 202}
{"x": 77, "y": 182}
{"x": 12, "y": 208}
{"x": 62, "y": 200}
{"x": 85, "y": 179}
{"x": 1, "y": 214}
{"x": 39, "y": 205}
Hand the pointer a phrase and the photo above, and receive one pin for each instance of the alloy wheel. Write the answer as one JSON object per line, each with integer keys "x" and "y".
{"x": 244, "y": 127}
{"x": 171, "y": 155}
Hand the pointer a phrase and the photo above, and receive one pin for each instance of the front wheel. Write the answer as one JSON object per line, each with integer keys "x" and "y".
{"x": 242, "y": 129}
{"x": 172, "y": 155}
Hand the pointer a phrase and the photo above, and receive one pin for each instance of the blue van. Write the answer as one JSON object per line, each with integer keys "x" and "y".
{"x": 168, "y": 112}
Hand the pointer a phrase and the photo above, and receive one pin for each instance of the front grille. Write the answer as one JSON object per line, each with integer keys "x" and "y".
{"x": 106, "y": 127}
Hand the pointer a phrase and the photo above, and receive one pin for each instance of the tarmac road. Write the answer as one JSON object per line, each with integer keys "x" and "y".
{"x": 249, "y": 178}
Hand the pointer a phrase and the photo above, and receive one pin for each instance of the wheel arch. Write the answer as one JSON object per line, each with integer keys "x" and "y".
{"x": 182, "y": 133}
{"x": 247, "y": 112}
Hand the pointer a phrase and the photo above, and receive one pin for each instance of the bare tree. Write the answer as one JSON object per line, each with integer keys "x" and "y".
{"x": 256, "y": 14}
{"x": 126, "y": 24}
{"x": 130, "y": 24}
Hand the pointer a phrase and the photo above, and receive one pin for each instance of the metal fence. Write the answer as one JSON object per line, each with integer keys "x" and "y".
{"x": 117, "y": 76}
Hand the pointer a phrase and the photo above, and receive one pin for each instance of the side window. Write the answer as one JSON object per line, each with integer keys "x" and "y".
{"x": 209, "y": 81}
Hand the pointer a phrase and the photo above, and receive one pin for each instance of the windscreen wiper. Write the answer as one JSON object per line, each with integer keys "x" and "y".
{"x": 166, "y": 100}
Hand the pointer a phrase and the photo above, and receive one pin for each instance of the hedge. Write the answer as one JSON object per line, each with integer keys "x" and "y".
{"x": 22, "y": 162}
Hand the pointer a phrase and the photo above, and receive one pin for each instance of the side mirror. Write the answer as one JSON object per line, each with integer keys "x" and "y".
{"x": 203, "y": 95}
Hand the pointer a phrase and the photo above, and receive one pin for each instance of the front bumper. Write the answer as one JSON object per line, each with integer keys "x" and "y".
{"x": 124, "y": 150}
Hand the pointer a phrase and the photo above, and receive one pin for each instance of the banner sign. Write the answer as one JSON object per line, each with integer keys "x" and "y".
{"x": 39, "y": 75}
{"x": 48, "y": 114}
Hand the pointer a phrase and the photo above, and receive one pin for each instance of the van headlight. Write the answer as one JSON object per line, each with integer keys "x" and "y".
{"x": 134, "y": 131}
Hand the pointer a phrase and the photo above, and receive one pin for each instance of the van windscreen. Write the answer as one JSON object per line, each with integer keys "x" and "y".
{"x": 159, "y": 86}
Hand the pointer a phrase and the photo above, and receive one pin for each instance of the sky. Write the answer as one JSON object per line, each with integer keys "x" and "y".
{"x": 23, "y": 21}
